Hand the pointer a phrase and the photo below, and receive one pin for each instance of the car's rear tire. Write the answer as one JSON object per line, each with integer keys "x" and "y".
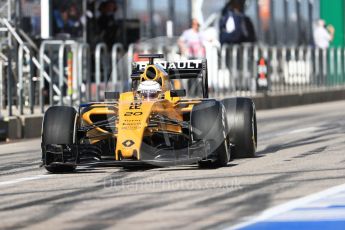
{"x": 58, "y": 132}
{"x": 242, "y": 128}
{"x": 208, "y": 124}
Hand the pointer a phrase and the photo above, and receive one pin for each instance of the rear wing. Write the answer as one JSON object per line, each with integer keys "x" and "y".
{"x": 176, "y": 70}
{"x": 190, "y": 69}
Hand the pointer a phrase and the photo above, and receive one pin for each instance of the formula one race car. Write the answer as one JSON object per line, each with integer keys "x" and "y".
{"x": 152, "y": 124}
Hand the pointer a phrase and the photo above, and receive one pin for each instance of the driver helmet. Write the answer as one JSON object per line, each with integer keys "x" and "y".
{"x": 149, "y": 89}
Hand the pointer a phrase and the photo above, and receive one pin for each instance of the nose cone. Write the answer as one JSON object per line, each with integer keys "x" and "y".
{"x": 128, "y": 153}
{"x": 128, "y": 148}
{"x": 128, "y": 143}
{"x": 133, "y": 117}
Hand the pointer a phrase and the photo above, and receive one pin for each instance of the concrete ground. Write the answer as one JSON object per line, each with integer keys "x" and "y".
{"x": 301, "y": 151}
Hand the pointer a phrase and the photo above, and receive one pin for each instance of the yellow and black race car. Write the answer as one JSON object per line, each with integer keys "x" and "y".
{"x": 151, "y": 124}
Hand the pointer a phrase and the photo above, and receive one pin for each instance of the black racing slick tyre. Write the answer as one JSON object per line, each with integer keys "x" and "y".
{"x": 242, "y": 128}
{"x": 58, "y": 135}
{"x": 208, "y": 124}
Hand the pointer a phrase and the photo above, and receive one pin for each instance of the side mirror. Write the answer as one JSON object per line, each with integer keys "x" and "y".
{"x": 178, "y": 93}
{"x": 111, "y": 95}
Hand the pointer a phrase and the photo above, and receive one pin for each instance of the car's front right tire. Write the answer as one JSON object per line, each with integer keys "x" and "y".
{"x": 208, "y": 123}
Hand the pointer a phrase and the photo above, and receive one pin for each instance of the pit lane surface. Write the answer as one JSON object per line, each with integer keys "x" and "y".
{"x": 301, "y": 152}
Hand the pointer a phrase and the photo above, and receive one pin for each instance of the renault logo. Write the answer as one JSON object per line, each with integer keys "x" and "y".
{"x": 128, "y": 143}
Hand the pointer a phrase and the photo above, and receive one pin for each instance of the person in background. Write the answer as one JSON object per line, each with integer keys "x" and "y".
{"x": 107, "y": 25}
{"x": 75, "y": 26}
{"x": 67, "y": 21}
{"x": 61, "y": 20}
{"x": 323, "y": 35}
{"x": 235, "y": 27}
{"x": 191, "y": 42}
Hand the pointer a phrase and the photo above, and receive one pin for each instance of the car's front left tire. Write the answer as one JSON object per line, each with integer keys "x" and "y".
{"x": 58, "y": 138}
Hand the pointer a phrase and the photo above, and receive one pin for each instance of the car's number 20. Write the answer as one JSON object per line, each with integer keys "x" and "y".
{"x": 127, "y": 114}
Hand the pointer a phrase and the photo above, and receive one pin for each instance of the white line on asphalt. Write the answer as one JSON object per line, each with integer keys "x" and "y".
{"x": 274, "y": 211}
{"x": 309, "y": 129}
{"x": 19, "y": 180}
{"x": 287, "y": 132}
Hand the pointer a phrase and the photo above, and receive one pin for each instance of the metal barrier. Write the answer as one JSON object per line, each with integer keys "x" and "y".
{"x": 212, "y": 64}
{"x": 224, "y": 74}
{"x": 22, "y": 48}
{"x": 84, "y": 71}
{"x": 74, "y": 47}
{"x": 20, "y": 88}
{"x": 9, "y": 83}
{"x": 130, "y": 58}
{"x": 52, "y": 87}
{"x": 291, "y": 69}
{"x": 20, "y": 79}
{"x": 101, "y": 48}
{"x": 233, "y": 70}
{"x": 117, "y": 52}
{"x": 79, "y": 53}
